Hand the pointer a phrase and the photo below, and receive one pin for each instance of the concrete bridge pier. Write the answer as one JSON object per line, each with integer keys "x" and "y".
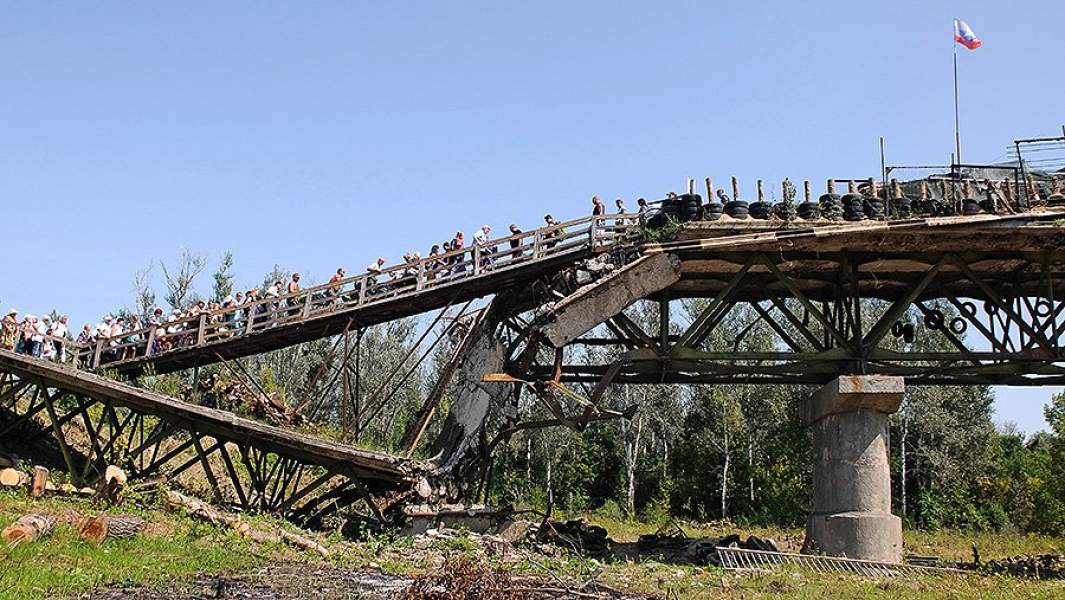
{"x": 852, "y": 481}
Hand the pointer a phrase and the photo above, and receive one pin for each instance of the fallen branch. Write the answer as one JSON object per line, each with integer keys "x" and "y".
{"x": 200, "y": 510}
{"x": 28, "y": 528}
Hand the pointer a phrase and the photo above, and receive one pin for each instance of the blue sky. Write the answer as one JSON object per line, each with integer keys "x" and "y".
{"x": 314, "y": 135}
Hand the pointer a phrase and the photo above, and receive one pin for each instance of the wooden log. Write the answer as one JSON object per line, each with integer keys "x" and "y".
{"x": 111, "y": 484}
{"x": 200, "y": 510}
{"x": 13, "y": 477}
{"x": 40, "y": 482}
{"x": 108, "y": 527}
{"x": 806, "y": 189}
{"x": 28, "y": 528}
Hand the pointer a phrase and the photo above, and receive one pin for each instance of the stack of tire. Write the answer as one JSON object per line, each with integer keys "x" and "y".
{"x": 969, "y": 207}
{"x": 831, "y": 208}
{"x": 784, "y": 211}
{"x": 760, "y": 210}
{"x": 712, "y": 211}
{"x": 901, "y": 207}
{"x": 809, "y": 211}
{"x": 853, "y": 207}
{"x": 690, "y": 207}
{"x": 737, "y": 209}
{"x": 670, "y": 208}
{"x": 874, "y": 208}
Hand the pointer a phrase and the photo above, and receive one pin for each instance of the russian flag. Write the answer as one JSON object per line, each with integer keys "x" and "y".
{"x": 963, "y": 34}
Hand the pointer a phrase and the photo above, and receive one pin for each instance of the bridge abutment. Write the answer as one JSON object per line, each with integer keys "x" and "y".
{"x": 851, "y": 479}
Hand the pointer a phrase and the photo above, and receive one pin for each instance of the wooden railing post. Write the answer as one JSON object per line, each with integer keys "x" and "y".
{"x": 99, "y": 350}
{"x": 477, "y": 259}
{"x": 201, "y": 329}
{"x": 592, "y": 231}
{"x": 420, "y": 281}
{"x": 362, "y": 289}
{"x": 536, "y": 244}
{"x": 309, "y": 303}
{"x": 250, "y": 316}
{"x": 151, "y": 340}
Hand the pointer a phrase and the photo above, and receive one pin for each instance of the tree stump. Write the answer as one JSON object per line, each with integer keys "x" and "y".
{"x": 28, "y": 528}
{"x": 13, "y": 477}
{"x": 40, "y": 482}
{"x": 105, "y": 527}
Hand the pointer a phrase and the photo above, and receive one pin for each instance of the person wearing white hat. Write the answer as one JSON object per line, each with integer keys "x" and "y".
{"x": 9, "y": 330}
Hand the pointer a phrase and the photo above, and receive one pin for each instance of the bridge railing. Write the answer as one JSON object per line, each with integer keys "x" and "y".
{"x": 595, "y": 233}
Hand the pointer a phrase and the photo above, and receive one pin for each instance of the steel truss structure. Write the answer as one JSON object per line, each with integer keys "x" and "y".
{"x": 248, "y": 465}
{"x": 837, "y": 314}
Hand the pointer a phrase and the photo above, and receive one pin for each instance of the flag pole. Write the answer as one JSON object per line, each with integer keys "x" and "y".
{"x": 957, "y": 120}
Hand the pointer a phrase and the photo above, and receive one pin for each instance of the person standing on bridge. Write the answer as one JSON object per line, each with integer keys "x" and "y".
{"x": 515, "y": 244}
{"x": 59, "y": 331}
{"x": 598, "y": 209}
{"x": 481, "y": 239}
{"x": 40, "y": 327}
{"x": 373, "y": 270}
{"x": 85, "y": 337}
{"x": 9, "y": 330}
{"x": 457, "y": 244}
{"x": 333, "y": 291}
{"x": 554, "y": 230}
{"x": 293, "y": 291}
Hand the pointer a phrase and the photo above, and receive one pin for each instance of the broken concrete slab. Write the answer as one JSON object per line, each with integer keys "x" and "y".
{"x": 591, "y": 305}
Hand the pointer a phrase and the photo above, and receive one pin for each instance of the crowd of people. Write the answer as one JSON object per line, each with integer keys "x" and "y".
{"x": 41, "y": 337}
{"x": 124, "y": 335}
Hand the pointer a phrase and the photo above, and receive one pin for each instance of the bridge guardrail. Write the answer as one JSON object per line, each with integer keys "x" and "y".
{"x": 595, "y": 233}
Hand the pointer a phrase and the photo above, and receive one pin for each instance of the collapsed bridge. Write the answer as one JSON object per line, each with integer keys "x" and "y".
{"x": 845, "y": 302}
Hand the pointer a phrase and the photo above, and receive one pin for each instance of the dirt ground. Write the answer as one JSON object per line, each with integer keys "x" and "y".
{"x": 272, "y": 582}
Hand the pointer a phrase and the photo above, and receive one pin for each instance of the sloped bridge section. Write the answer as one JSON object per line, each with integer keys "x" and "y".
{"x": 331, "y": 309}
{"x": 97, "y": 422}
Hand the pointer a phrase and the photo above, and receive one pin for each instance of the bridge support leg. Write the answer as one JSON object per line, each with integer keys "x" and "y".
{"x": 852, "y": 481}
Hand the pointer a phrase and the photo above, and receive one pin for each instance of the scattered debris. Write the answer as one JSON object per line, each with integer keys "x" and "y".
{"x": 233, "y": 395}
{"x": 464, "y": 578}
{"x": 1039, "y": 566}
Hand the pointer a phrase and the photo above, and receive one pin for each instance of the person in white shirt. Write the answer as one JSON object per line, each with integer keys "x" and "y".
{"x": 41, "y": 328}
{"x": 480, "y": 238}
{"x": 103, "y": 330}
{"x": 59, "y": 331}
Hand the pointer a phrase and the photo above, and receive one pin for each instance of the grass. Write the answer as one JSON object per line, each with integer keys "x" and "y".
{"x": 171, "y": 547}
{"x": 174, "y": 548}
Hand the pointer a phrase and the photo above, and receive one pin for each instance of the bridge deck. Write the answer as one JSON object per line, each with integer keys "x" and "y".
{"x": 1015, "y": 253}
{"x": 364, "y": 465}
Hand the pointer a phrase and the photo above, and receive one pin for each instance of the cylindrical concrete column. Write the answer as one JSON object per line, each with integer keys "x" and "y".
{"x": 852, "y": 479}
